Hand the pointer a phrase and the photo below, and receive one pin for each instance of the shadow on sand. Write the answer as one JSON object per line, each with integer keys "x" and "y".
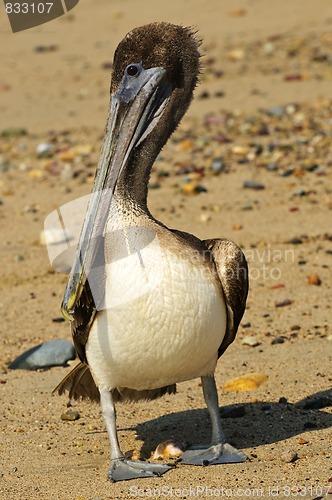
{"x": 261, "y": 423}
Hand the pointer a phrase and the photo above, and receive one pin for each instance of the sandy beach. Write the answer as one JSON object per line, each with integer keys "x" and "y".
{"x": 251, "y": 161}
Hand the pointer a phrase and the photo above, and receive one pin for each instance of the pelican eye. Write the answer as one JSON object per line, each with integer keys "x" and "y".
{"x": 133, "y": 69}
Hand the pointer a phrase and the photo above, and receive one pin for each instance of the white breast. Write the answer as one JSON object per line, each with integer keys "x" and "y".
{"x": 163, "y": 316}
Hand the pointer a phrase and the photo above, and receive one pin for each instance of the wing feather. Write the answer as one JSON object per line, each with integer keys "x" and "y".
{"x": 232, "y": 269}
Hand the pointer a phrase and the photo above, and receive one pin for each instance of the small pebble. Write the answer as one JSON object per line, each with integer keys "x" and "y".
{"x": 289, "y": 456}
{"x": 283, "y": 303}
{"x": 204, "y": 95}
{"x": 44, "y": 149}
{"x": 276, "y": 111}
{"x": 189, "y": 188}
{"x": 60, "y": 319}
{"x": 286, "y": 173}
{"x": 237, "y": 12}
{"x": 266, "y": 409}
{"x": 295, "y": 241}
{"x": 272, "y": 167}
{"x": 314, "y": 279}
{"x": 253, "y": 185}
{"x": 154, "y": 185}
{"x": 205, "y": 218}
{"x": 218, "y": 165}
{"x": 278, "y": 340}
{"x": 52, "y": 353}
{"x": 283, "y": 400}
{"x": 251, "y": 341}
{"x": 134, "y": 455}
{"x": 70, "y": 415}
{"x": 46, "y": 48}
{"x": 235, "y": 55}
{"x": 278, "y": 286}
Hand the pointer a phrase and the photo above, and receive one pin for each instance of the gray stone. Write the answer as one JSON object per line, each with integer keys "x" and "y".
{"x": 253, "y": 185}
{"x": 70, "y": 415}
{"x": 52, "y": 353}
{"x": 289, "y": 456}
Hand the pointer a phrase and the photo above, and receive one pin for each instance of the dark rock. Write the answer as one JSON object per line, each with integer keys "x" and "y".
{"x": 282, "y": 400}
{"x": 283, "y": 303}
{"x": 295, "y": 241}
{"x": 286, "y": 173}
{"x": 45, "y": 48}
{"x": 253, "y": 185}
{"x": 204, "y": 95}
{"x": 266, "y": 409}
{"x": 52, "y": 353}
{"x": 278, "y": 340}
{"x": 218, "y": 165}
{"x": 201, "y": 189}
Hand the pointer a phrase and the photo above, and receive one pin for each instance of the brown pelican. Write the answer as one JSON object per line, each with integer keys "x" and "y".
{"x": 149, "y": 306}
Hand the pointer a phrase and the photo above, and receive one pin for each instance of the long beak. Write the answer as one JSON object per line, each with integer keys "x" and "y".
{"x": 135, "y": 108}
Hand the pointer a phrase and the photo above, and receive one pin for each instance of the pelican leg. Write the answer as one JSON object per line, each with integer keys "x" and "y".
{"x": 219, "y": 452}
{"x": 122, "y": 469}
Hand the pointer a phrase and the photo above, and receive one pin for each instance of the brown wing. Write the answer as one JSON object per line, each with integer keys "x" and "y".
{"x": 232, "y": 270}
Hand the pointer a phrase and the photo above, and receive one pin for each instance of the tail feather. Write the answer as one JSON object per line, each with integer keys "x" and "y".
{"x": 80, "y": 385}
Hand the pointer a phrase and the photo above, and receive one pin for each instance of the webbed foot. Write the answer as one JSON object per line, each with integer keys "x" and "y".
{"x": 122, "y": 469}
{"x": 215, "y": 454}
